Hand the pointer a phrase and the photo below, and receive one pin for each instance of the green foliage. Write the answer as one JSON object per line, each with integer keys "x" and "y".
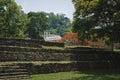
{"x": 12, "y": 19}
{"x": 37, "y": 25}
{"x": 97, "y": 16}
{"x": 58, "y": 24}
{"x": 84, "y": 22}
{"x": 107, "y": 14}
{"x": 15, "y": 23}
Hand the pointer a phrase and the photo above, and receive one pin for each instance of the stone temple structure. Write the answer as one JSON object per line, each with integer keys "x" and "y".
{"x": 50, "y": 37}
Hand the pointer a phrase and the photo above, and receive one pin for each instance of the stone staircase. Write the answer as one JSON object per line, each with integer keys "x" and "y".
{"x": 20, "y": 42}
{"x": 31, "y": 50}
{"x": 11, "y": 72}
{"x": 19, "y": 49}
{"x": 9, "y": 48}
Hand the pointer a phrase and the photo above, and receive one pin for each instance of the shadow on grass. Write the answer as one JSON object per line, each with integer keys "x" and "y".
{"x": 101, "y": 71}
{"x": 99, "y": 75}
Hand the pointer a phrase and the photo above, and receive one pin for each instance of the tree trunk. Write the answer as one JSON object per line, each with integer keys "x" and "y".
{"x": 112, "y": 46}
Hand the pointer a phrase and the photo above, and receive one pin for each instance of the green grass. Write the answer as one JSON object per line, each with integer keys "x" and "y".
{"x": 53, "y": 47}
{"x": 117, "y": 50}
{"x": 76, "y": 76}
{"x": 78, "y": 46}
{"x": 33, "y": 62}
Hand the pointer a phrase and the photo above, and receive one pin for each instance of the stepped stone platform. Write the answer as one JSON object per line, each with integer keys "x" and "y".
{"x": 20, "y": 42}
{"x": 10, "y": 72}
{"x": 77, "y": 58}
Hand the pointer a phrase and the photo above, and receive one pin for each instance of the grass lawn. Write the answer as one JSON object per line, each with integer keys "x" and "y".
{"x": 33, "y": 62}
{"x": 77, "y": 76}
{"x": 117, "y": 50}
{"x": 53, "y": 47}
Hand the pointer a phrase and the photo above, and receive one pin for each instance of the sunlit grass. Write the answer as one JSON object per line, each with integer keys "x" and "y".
{"x": 33, "y": 62}
{"x": 53, "y": 47}
{"x": 117, "y": 50}
{"x": 76, "y": 76}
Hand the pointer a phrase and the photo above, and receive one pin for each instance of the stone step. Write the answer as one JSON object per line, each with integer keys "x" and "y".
{"x": 21, "y": 45}
{"x": 73, "y": 66}
{"x": 19, "y": 49}
{"x": 13, "y": 52}
{"x": 20, "y": 40}
{"x": 46, "y": 56}
{"x": 15, "y": 77}
{"x": 9, "y": 67}
{"x": 87, "y": 51}
{"x": 80, "y": 51}
{"x": 93, "y": 57}
{"x": 98, "y": 65}
{"x": 13, "y": 71}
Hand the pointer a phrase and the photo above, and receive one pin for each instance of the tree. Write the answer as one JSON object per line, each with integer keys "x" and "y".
{"x": 11, "y": 23}
{"x": 108, "y": 19}
{"x": 83, "y": 21}
{"x": 58, "y": 24}
{"x": 97, "y": 16}
{"x": 37, "y": 25}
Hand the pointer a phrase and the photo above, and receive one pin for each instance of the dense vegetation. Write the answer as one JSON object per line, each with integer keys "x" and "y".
{"x": 59, "y": 23}
{"x": 37, "y": 24}
{"x": 15, "y": 23}
{"x": 97, "y": 16}
{"x": 12, "y": 19}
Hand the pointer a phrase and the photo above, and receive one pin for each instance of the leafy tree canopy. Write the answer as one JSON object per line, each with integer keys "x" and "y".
{"x": 37, "y": 25}
{"x": 15, "y": 23}
{"x": 97, "y": 16}
{"x": 58, "y": 23}
{"x": 12, "y": 19}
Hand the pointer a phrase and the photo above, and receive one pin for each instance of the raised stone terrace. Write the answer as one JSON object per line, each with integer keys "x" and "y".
{"x": 24, "y": 53}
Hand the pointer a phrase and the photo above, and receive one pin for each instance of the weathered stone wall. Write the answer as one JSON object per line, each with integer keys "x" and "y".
{"x": 73, "y": 66}
{"x": 31, "y": 54}
{"x": 12, "y": 49}
{"x": 28, "y": 42}
{"x": 81, "y": 58}
{"x": 20, "y": 42}
{"x": 34, "y": 56}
